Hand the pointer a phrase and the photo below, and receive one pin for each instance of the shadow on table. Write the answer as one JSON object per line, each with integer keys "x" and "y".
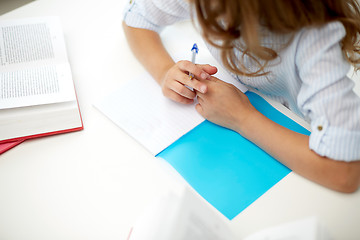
{"x": 9, "y": 5}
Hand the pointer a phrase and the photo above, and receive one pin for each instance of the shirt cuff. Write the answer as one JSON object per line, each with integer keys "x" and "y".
{"x": 334, "y": 143}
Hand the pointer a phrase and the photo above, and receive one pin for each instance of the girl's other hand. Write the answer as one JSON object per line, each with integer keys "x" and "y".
{"x": 224, "y": 105}
{"x": 175, "y": 80}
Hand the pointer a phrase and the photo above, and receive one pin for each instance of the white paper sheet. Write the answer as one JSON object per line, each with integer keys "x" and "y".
{"x": 181, "y": 217}
{"x": 141, "y": 110}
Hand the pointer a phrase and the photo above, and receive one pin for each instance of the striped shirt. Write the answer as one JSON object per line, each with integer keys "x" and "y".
{"x": 309, "y": 76}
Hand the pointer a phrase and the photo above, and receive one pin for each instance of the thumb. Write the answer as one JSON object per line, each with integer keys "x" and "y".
{"x": 199, "y": 108}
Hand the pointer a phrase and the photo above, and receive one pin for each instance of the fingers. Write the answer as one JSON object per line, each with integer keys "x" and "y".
{"x": 199, "y": 95}
{"x": 178, "y": 98}
{"x": 181, "y": 90}
{"x": 200, "y": 99}
{"x": 194, "y": 83}
{"x": 196, "y": 70}
{"x": 177, "y": 80}
{"x": 208, "y": 68}
{"x": 211, "y": 85}
{"x": 199, "y": 108}
{"x": 201, "y": 72}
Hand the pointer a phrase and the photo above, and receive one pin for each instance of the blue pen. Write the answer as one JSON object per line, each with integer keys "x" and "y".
{"x": 194, "y": 51}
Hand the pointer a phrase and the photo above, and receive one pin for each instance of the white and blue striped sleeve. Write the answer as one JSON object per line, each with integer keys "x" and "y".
{"x": 326, "y": 95}
{"x": 155, "y": 14}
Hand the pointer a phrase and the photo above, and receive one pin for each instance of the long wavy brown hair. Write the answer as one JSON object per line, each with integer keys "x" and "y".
{"x": 223, "y": 22}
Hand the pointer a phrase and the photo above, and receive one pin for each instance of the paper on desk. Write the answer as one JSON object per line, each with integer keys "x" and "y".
{"x": 141, "y": 110}
{"x": 181, "y": 217}
{"x": 304, "y": 229}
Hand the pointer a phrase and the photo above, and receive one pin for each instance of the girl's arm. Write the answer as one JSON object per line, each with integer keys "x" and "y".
{"x": 149, "y": 50}
{"x": 292, "y": 149}
{"x": 227, "y": 106}
{"x": 172, "y": 77}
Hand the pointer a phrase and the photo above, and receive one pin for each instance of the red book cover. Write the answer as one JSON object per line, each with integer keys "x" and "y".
{"x": 6, "y": 146}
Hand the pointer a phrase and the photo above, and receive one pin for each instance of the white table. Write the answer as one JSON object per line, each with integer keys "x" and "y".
{"x": 94, "y": 184}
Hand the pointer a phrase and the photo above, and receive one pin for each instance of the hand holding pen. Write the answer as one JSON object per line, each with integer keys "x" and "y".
{"x": 185, "y": 73}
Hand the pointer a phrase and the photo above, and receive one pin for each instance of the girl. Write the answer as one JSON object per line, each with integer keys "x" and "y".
{"x": 297, "y": 52}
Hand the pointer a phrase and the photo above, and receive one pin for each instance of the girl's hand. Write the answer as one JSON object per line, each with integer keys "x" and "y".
{"x": 224, "y": 105}
{"x": 174, "y": 81}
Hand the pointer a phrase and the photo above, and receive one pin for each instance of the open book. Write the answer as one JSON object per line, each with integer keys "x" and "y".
{"x": 37, "y": 95}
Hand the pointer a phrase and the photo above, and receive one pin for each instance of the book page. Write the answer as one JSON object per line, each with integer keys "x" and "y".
{"x": 150, "y": 118}
{"x": 31, "y": 42}
{"x": 36, "y": 86}
{"x": 181, "y": 217}
{"x": 197, "y": 219}
{"x": 304, "y": 229}
{"x": 33, "y": 63}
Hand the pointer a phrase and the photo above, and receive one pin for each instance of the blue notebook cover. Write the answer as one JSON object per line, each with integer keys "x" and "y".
{"x": 226, "y": 169}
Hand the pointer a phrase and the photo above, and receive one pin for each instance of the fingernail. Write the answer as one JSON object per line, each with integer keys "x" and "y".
{"x": 203, "y": 89}
{"x": 205, "y": 75}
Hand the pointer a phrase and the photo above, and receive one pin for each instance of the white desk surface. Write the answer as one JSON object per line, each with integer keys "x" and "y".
{"x": 94, "y": 184}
